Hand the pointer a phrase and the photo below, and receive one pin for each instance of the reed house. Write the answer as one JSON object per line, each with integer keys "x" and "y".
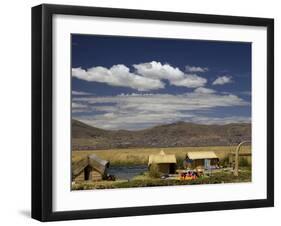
{"x": 91, "y": 168}
{"x": 201, "y": 160}
{"x": 166, "y": 163}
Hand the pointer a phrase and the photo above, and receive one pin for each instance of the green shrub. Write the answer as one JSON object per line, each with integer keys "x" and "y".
{"x": 180, "y": 160}
{"x": 154, "y": 171}
{"x": 244, "y": 162}
{"x": 224, "y": 162}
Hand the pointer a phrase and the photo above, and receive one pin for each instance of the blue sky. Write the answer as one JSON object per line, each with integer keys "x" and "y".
{"x": 136, "y": 83}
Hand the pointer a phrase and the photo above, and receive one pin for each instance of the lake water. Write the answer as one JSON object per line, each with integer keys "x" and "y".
{"x": 126, "y": 172}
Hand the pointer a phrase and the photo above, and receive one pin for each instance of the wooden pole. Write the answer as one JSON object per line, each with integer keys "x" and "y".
{"x": 237, "y": 157}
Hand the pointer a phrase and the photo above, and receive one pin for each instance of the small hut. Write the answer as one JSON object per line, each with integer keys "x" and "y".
{"x": 201, "y": 160}
{"x": 166, "y": 163}
{"x": 91, "y": 168}
{"x": 97, "y": 168}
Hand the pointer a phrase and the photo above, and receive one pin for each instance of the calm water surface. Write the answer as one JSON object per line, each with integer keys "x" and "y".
{"x": 127, "y": 172}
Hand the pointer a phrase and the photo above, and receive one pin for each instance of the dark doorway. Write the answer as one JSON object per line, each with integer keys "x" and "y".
{"x": 172, "y": 168}
{"x": 87, "y": 172}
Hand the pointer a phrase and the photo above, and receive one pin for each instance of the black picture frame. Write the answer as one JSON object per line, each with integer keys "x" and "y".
{"x": 42, "y": 111}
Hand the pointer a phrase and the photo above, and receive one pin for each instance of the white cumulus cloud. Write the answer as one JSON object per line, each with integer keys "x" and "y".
{"x": 117, "y": 75}
{"x": 80, "y": 93}
{"x": 190, "y": 81}
{"x": 80, "y": 107}
{"x": 147, "y": 76}
{"x": 189, "y": 68}
{"x": 221, "y": 80}
{"x": 174, "y": 75}
{"x": 204, "y": 90}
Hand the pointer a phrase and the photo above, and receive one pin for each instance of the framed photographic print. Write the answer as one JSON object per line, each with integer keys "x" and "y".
{"x": 147, "y": 112}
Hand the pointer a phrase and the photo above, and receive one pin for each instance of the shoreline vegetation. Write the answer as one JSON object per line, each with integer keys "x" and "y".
{"x": 139, "y": 156}
{"x": 146, "y": 181}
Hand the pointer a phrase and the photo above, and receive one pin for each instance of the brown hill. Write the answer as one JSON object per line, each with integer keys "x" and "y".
{"x": 171, "y": 135}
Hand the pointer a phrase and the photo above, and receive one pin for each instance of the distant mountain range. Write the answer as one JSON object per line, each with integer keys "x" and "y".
{"x": 179, "y": 134}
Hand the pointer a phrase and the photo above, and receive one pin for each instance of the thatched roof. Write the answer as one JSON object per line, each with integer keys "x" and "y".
{"x": 202, "y": 155}
{"x": 79, "y": 166}
{"x": 93, "y": 161}
{"x": 97, "y": 163}
{"x": 161, "y": 158}
{"x": 94, "y": 158}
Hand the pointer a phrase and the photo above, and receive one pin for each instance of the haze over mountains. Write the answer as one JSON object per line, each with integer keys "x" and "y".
{"x": 171, "y": 135}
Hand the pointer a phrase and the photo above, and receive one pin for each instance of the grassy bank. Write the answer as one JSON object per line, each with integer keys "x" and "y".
{"x": 139, "y": 156}
{"x": 146, "y": 181}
